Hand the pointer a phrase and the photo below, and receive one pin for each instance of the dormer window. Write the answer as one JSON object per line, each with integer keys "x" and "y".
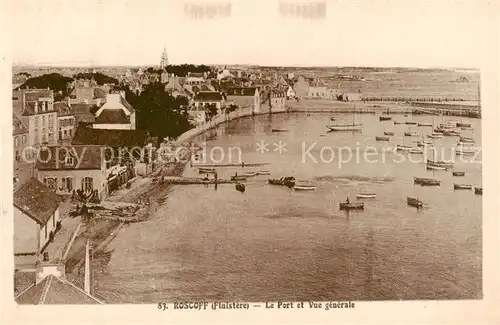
{"x": 69, "y": 161}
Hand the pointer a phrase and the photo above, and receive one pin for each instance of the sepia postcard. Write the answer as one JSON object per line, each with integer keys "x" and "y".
{"x": 320, "y": 161}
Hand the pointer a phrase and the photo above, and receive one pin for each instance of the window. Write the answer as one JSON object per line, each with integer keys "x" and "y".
{"x": 43, "y": 120}
{"x": 51, "y": 121}
{"x": 67, "y": 184}
{"x": 50, "y": 182}
{"x": 69, "y": 161}
{"x": 87, "y": 184}
{"x": 37, "y": 121}
{"x": 70, "y": 132}
{"x": 25, "y": 139}
{"x": 16, "y": 142}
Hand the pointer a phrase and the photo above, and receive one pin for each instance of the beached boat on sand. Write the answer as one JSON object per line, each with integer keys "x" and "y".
{"x": 283, "y": 181}
{"x": 462, "y": 187}
{"x": 414, "y": 202}
{"x": 351, "y": 206}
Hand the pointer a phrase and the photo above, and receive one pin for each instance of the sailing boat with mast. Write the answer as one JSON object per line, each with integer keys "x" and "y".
{"x": 402, "y": 147}
{"x": 346, "y": 127}
{"x": 409, "y": 133}
{"x": 435, "y": 135}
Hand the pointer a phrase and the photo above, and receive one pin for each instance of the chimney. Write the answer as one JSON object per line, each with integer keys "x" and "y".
{"x": 69, "y": 102}
{"x": 36, "y": 107}
{"x": 45, "y": 268}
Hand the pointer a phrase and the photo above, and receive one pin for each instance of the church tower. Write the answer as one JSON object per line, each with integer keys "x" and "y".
{"x": 164, "y": 59}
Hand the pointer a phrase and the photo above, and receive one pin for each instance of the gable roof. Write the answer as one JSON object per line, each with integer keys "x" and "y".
{"x": 18, "y": 126}
{"x": 83, "y": 112}
{"x": 54, "y": 290}
{"x": 208, "y": 96}
{"x": 36, "y": 200}
{"x": 54, "y": 158}
{"x": 31, "y": 95}
{"x": 115, "y": 138}
{"x": 29, "y": 109}
{"x": 241, "y": 91}
{"x": 112, "y": 116}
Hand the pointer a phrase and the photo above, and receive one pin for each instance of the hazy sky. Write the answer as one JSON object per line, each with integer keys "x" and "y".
{"x": 354, "y": 32}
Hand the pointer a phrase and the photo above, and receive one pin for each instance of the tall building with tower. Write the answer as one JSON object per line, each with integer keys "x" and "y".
{"x": 164, "y": 59}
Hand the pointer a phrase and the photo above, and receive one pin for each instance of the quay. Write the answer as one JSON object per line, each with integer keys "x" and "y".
{"x": 179, "y": 180}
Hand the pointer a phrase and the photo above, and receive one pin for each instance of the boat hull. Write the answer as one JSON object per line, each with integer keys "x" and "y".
{"x": 354, "y": 127}
{"x": 351, "y": 206}
{"x": 388, "y": 133}
{"x": 382, "y": 138}
{"x": 304, "y": 187}
{"x": 458, "y": 173}
{"x": 414, "y": 202}
{"x": 366, "y": 196}
{"x": 206, "y": 170}
{"x": 462, "y": 187}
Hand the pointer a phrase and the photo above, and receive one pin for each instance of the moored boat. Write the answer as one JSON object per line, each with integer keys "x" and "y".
{"x": 345, "y": 127}
{"x": 410, "y": 134}
{"x": 238, "y": 178}
{"x": 439, "y": 163}
{"x": 385, "y": 118}
{"x": 463, "y": 125}
{"x": 424, "y": 124}
{"x": 436, "y": 135}
{"x": 411, "y": 123}
{"x": 304, "y": 186}
{"x": 430, "y": 182}
{"x": 283, "y": 181}
{"x": 279, "y": 130}
{"x": 424, "y": 143}
{"x": 451, "y": 133}
{"x": 351, "y": 206}
{"x": 206, "y": 170}
{"x": 399, "y": 122}
{"x": 403, "y": 148}
{"x": 414, "y": 202}
{"x": 466, "y": 139}
{"x": 462, "y": 187}
{"x": 436, "y": 167}
{"x": 419, "y": 180}
{"x": 388, "y": 133}
{"x": 416, "y": 151}
{"x": 263, "y": 172}
{"x": 249, "y": 174}
{"x": 240, "y": 187}
{"x": 366, "y": 195}
{"x": 465, "y": 152}
{"x": 382, "y": 138}
{"x": 458, "y": 173}
{"x": 478, "y": 190}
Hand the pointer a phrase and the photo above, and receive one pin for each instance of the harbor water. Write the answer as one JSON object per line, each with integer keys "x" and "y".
{"x": 274, "y": 243}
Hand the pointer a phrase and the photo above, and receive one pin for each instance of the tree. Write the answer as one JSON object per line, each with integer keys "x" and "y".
{"x": 183, "y": 69}
{"x": 158, "y": 112}
{"x": 231, "y": 108}
{"x": 211, "y": 111}
{"x": 58, "y": 83}
{"x": 100, "y": 78}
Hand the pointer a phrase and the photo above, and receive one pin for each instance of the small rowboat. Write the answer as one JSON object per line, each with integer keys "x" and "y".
{"x": 464, "y": 125}
{"x": 397, "y": 122}
{"x": 466, "y": 128}
{"x": 388, "y": 133}
{"x": 436, "y": 167}
{"x": 414, "y": 202}
{"x": 420, "y": 180}
{"x": 466, "y": 139}
{"x": 240, "y": 187}
{"x": 435, "y": 135}
{"x": 263, "y": 172}
{"x": 451, "y": 133}
{"x": 345, "y": 127}
{"x": 410, "y": 123}
{"x": 385, "y": 118}
{"x": 382, "y": 138}
{"x": 249, "y": 174}
{"x": 238, "y": 178}
{"x": 416, "y": 151}
{"x": 424, "y": 143}
{"x": 304, "y": 186}
{"x": 351, "y": 206}
{"x": 439, "y": 130}
{"x": 403, "y": 148}
{"x": 410, "y": 134}
{"x": 283, "y": 181}
{"x": 439, "y": 163}
{"x": 462, "y": 187}
{"x": 478, "y": 190}
{"x": 465, "y": 152}
{"x": 424, "y": 124}
{"x": 206, "y": 170}
{"x": 366, "y": 195}
{"x": 279, "y": 130}
{"x": 430, "y": 182}
{"x": 458, "y": 173}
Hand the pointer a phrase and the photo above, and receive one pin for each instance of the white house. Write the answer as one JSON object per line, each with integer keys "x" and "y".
{"x": 204, "y": 99}
{"x": 115, "y": 114}
{"x": 290, "y": 93}
{"x": 36, "y": 218}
